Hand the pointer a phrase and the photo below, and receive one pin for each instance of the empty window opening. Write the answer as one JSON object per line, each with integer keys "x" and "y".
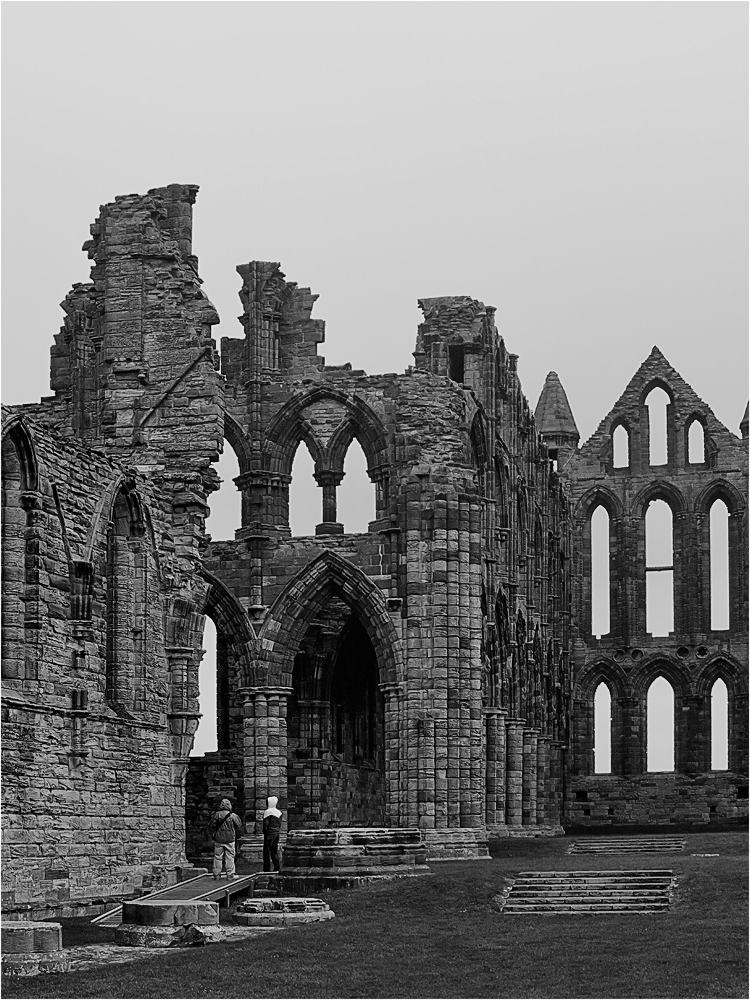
{"x": 659, "y": 569}
{"x": 226, "y": 503}
{"x": 206, "y": 734}
{"x": 456, "y": 363}
{"x": 304, "y": 494}
{"x": 696, "y": 443}
{"x": 657, "y": 402}
{"x": 356, "y": 494}
{"x": 602, "y": 730}
{"x": 719, "y": 726}
{"x": 719, "y": 543}
{"x": 620, "y": 448}
{"x": 660, "y": 726}
{"x": 600, "y": 572}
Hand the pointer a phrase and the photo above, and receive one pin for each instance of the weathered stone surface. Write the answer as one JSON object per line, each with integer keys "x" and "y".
{"x": 434, "y": 672}
{"x": 283, "y": 911}
{"x": 167, "y": 913}
{"x": 176, "y": 936}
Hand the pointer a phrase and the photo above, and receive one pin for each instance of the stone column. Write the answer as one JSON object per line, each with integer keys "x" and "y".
{"x": 392, "y": 752}
{"x": 530, "y": 738}
{"x": 329, "y": 481}
{"x": 265, "y": 758}
{"x": 495, "y": 770}
{"x": 542, "y": 779}
{"x": 514, "y": 772}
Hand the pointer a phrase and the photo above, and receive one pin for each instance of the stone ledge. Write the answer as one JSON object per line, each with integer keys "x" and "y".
{"x": 170, "y": 913}
{"x": 282, "y": 911}
{"x": 35, "y": 963}
{"x": 187, "y": 936}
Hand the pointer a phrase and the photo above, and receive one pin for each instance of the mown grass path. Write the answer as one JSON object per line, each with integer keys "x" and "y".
{"x": 439, "y": 936}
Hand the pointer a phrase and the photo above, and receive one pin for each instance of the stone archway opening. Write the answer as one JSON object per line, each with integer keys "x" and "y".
{"x": 335, "y": 731}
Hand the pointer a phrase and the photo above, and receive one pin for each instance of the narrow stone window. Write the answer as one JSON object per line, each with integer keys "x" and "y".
{"x": 128, "y": 605}
{"x": 719, "y": 543}
{"x": 304, "y": 494}
{"x": 456, "y": 363}
{"x": 657, "y": 402}
{"x": 206, "y": 734}
{"x": 696, "y": 443}
{"x": 226, "y": 503}
{"x": 719, "y": 726}
{"x": 600, "y": 572}
{"x": 356, "y": 494}
{"x": 620, "y": 447}
{"x": 602, "y": 730}
{"x": 660, "y": 726}
{"x": 659, "y": 569}
{"x": 13, "y": 562}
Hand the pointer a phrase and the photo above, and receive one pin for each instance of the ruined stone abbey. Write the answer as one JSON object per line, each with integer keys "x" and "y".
{"x": 440, "y": 671}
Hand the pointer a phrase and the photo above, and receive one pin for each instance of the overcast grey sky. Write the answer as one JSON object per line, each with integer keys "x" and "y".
{"x": 580, "y": 166}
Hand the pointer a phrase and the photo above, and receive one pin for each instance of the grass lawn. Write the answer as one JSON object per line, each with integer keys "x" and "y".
{"x": 439, "y": 936}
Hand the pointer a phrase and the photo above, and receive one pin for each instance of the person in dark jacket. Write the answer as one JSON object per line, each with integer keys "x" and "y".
{"x": 224, "y": 827}
{"x": 271, "y": 830}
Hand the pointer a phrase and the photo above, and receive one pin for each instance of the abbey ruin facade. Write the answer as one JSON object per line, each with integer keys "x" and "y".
{"x": 438, "y": 671}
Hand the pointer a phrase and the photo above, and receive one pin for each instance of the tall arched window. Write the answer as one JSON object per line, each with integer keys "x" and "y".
{"x": 206, "y": 734}
{"x": 356, "y": 494}
{"x": 696, "y": 443}
{"x": 620, "y": 447}
{"x": 304, "y": 494}
{"x": 13, "y": 558}
{"x": 660, "y": 726}
{"x": 659, "y": 569}
{"x": 602, "y": 730}
{"x": 129, "y": 604}
{"x": 719, "y": 544}
{"x": 600, "y": 572}
{"x": 657, "y": 402}
{"x": 719, "y": 726}
{"x": 226, "y": 503}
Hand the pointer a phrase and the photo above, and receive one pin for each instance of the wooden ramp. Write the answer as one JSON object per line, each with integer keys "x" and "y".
{"x": 203, "y": 887}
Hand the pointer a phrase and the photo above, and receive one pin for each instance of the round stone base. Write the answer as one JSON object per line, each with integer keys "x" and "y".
{"x": 35, "y": 963}
{"x": 282, "y": 912}
{"x": 188, "y": 936}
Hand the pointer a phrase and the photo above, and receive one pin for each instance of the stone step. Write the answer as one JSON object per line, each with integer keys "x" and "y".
{"x": 603, "y": 873}
{"x": 629, "y": 845}
{"x": 586, "y": 908}
{"x": 577, "y": 897}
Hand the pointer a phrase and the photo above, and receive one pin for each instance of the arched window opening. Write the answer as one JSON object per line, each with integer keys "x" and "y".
{"x": 304, "y": 494}
{"x": 600, "y": 572}
{"x": 719, "y": 545}
{"x": 129, "y": 605}
{"x": 660, "y": 726}
{"x": 657, "y": 402}
{"x": 696, "y": 443}
{"x": 206, "y": 739}
{"x": 719, "y": 726}
{"x": 356, "y": 494}
{"x": 620, "y": 447}
{"x": 659, "y": 569}
{"x": 226, "y": 504}
{"x": 602, "y": 730}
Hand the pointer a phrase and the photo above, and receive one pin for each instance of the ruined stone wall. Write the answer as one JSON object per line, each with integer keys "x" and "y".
{"x": 462, "y": 582}
{"x": 104, "y": 501}
{"x": 693, "y": 656}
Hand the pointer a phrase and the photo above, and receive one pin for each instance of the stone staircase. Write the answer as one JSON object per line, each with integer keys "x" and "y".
{"x": 628, "y": 845}
{"x": 590, "y": 892}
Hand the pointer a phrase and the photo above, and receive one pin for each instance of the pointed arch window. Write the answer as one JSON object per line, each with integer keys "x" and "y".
{"x": 719, "y": 576}
{"x": 660, "y": 726}
{"x": 696, "y": 443}
{"x": 355, "y": 501}
{"x": 206, "y": 735}
{"x": 602, "y": 729}
{"x": 129, "y": 604}
{"x": 719, "y": 726}
{"x": 600, "y": 583}
{"x": 304, "y": 498}
{"x": 657, "y": 402}
{"x": 659, "y": 569}
{"x": 620, "y": 447}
